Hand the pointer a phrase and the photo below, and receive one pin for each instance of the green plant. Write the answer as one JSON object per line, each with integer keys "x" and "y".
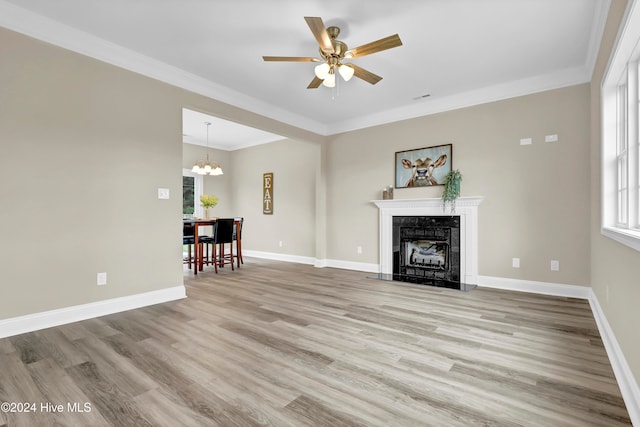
{"x": 208, "y": 201}
{"x": 451, "y": 189}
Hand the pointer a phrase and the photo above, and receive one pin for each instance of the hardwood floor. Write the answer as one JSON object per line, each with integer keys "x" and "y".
{"x": 291, "y": 345}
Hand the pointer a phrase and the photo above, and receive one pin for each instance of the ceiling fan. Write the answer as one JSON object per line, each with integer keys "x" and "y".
{"x": 334, "y": 51}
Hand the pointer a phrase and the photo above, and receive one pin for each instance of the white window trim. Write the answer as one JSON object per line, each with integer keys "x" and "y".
{"x": 198, "y": 190}
{"x": 623, "y": 52}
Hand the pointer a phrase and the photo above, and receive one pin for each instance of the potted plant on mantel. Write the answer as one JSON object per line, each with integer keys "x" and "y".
{"x": 451, "y": 189}
{"x": 208, "y": 201}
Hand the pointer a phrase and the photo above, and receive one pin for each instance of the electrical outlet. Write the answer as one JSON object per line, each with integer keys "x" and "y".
{"x": 551, "y": 138}
{"x": 280, "y": 243}
{"x": 102, "y": 279}
{"x": 515, "y": 262}
{"x": 359, "y": 249}
{"x": 526, "y": 141}
{"x": 555, "y": 265}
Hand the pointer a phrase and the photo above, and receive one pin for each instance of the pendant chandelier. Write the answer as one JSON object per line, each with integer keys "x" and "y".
{"x": 205, "y": 167}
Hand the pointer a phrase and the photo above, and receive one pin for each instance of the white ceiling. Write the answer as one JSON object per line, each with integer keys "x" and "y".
{"x": 460, "y": 52}
{"x": 223, "y": 134}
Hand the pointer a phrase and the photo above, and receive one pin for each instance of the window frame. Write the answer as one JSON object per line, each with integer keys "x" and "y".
{"x": 198, "y": 190}
{"x": 620, "y": 143}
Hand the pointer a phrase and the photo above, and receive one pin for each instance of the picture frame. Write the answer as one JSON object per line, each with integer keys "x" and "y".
{"x": 267, "y": 193}
{"x": 423, "y": 167}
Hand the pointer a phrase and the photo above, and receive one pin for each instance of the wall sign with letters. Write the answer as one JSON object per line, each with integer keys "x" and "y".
{"x": 267, "y": 193}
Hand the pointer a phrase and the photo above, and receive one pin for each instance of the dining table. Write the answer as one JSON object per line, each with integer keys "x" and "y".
{"x": 197, "y": 223}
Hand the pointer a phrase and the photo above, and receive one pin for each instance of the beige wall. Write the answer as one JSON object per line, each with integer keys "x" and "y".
{"x": 615, "y": 269}
{"x": 536, "y": 203}
{"x": 294, "y": 165}
{"x": 84, "y": 146}
{"x": 82, "y": 157}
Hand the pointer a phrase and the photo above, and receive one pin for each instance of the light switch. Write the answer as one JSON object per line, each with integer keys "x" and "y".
{"x": 163, "y": 193}
{"x": 102, "y": 279}
{"x": 526, "y": 141}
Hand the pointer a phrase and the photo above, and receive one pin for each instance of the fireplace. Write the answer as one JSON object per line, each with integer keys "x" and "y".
{"x": 445, "y": 255}
{"x": 427, "y": 250}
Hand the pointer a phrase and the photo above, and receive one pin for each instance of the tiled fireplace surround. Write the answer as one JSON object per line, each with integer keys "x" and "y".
{"x": 466, "y": 208}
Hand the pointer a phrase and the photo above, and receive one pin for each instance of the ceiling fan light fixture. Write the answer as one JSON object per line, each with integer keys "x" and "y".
{"x": 346, "y": 72}
{"x": 322, "y": 71}
{"x": 333, "y": 51}
{"x": 330, "y": 80}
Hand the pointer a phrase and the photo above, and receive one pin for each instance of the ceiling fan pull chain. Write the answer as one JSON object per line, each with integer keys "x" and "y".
{"x": 335, "y": 90}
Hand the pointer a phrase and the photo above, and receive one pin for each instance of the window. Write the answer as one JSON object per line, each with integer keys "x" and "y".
{"x": 622, "y": 158}
{"x": 191, "y": 192}
{"x": 621, "y": 136}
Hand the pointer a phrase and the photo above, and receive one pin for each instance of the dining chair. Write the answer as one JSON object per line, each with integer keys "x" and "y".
{"x": 223, "y": 234}
{"x": 188, "y": 239}
{"x": 237, "y": 237}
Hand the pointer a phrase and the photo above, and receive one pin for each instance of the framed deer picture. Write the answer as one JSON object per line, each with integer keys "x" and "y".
{"x": 423, "y": 167}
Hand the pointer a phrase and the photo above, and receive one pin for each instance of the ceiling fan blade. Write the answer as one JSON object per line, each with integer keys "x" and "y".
{"x": 365, "y": 75}
{"x": 373, "y": 47}
{"x": 291, "y": 58}
{"x": 320, "y": 33}
{"x": 315, "y": 83}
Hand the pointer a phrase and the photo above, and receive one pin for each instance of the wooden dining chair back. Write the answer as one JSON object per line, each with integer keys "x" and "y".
{"x": 188, "y": 239}
{"x": 223, "y": 234}
{"x": 237, "y": 237}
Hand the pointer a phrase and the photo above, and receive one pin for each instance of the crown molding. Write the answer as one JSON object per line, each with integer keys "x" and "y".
{"x": 33, "y": 25}
{"x": 597, "y": 30}
{"x": 48, "y": 30}
{"x": 435, "y": 104}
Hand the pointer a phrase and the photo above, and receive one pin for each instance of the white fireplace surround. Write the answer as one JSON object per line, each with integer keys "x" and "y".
{"x": 466, "y": 209}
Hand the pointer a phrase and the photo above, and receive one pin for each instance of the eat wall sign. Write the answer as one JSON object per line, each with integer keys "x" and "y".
{"x": 267, "y": 193}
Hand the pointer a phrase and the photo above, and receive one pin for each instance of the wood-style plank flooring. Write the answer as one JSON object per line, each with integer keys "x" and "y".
{"x": 279, "y": 344}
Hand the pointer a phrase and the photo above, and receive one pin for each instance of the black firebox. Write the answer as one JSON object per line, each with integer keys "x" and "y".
{"x": 426, "y": 250}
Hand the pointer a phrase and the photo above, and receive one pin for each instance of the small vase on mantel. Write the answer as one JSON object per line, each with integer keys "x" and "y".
{"x": 206, "y": 213}
{"x": 387, "y": 193}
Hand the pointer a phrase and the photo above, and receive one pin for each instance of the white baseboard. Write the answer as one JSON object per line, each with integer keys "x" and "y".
{"x": 48, "y": 319}
{"x": 279, "y": 257}
{"x": 626, "y": 381}
{"x": 543, "y": 288}
{"x": 351, "y": 265}
{"x": 320, "y": 263}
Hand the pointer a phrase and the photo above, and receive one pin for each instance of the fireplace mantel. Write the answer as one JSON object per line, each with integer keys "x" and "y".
{"x": 466, "y": 209}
